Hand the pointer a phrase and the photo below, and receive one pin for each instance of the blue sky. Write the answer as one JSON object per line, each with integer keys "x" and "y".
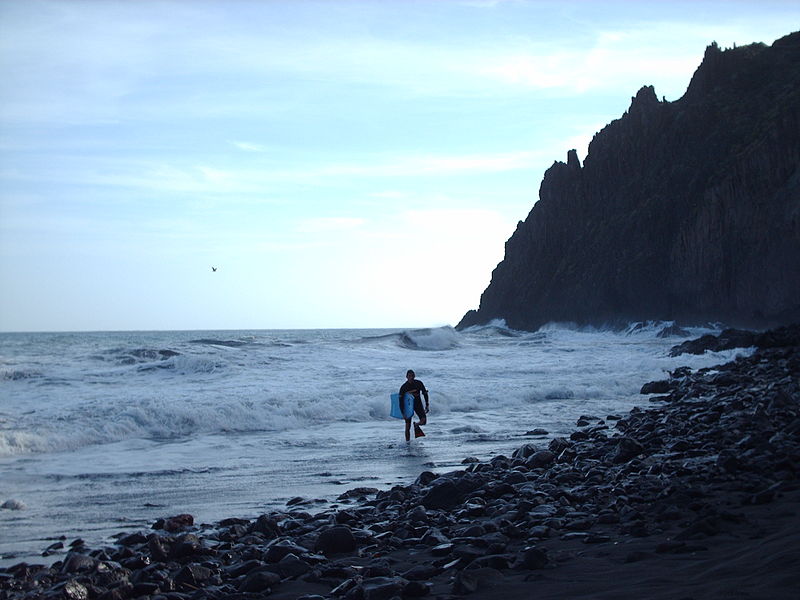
{"x": 341, "y": 163}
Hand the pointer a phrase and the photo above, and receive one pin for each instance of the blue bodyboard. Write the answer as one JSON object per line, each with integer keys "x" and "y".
{"x": 407, "y": 410}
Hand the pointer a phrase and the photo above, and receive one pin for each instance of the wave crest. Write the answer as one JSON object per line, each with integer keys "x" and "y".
{"x": 441, "y": 338}
{"x": 494, "y": 327}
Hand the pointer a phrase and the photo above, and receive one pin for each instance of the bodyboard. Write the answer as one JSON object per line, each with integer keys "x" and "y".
{"x": 404, "y": 412}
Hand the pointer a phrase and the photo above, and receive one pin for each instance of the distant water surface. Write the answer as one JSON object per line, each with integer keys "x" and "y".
{"x": 106, "y": 432}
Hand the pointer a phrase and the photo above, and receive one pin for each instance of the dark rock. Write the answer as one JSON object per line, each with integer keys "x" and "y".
{"x": 558, "y": 445}
{"x": 426, "y": 478}
{"x": 467, "y": 552}
{"x": 259, "y": 581}
{"x": 344, "y": 517}
{"x": 539, "y": 532}
{"x": 121, "y": 592}
{"x": 359, "y": 492}
{"x": 418, "y": 515}
{"x": 626, "y": 450}
{"x": 444, "y": 494}
{"x": 144, "y": 589}
{"x": 78, "y": 563}
{"x": 672, "y": 331}
{"x": 233, "y": 521}
{"x": 537, "y": 431}
{"x": 382, "y": 588}
{"x": 73, "y": 590}
{"x": 292, "y": 566}
{"x": 524, "y": 451}
{"x": 136, "y": 563}
{"x": 158, "y": 547}
{"x": 542, "y": 458}
{"x": 442, "y": 550}
{"x": 336, "y": 540}
{"x": 434, "y": 537}
{"x": 688, "y": 209}
{"x": 266, "y": 526}
{"x": 134, "y": 539}
{"x": 239, "y": 569}
{"x": 175, "y": 524}
{"x": 275, "y": 552}
{"x": 348, "y": 587}
{"x": 656, "y": 387}
{"x": 193, "y": 576}
{"x": 727, "y": 340}
{"x": 186, "y": 545}
{"x": 516, "y": 477}
{"x": 52, "y": 548}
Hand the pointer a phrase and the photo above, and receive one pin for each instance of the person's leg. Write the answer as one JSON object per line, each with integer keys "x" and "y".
{"x": 408, "y": 430}
{"x": 423, "y": 418}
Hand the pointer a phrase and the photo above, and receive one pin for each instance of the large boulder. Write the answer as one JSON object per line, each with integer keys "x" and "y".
{"x": 336, "y": 540}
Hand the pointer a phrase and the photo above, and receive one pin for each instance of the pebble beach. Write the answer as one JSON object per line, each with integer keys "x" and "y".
{"x": 694, "y": 494}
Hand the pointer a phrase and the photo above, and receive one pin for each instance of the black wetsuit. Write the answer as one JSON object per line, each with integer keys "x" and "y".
{"x": 414, "y": 387}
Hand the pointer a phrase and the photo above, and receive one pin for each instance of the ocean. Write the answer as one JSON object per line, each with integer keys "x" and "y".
{"x": 102, "y": 433}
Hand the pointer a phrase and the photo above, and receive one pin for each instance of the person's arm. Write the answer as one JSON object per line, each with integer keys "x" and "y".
{"x": 425, "y": 393}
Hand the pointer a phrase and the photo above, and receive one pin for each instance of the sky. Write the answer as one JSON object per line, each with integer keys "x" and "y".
{"x": 340, "y": 163}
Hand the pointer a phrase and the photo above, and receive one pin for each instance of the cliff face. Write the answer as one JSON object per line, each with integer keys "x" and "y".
{"x": 686, "y": 210}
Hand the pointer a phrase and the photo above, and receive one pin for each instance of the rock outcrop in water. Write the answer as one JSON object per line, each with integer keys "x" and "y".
{"x": 686, "y": 210}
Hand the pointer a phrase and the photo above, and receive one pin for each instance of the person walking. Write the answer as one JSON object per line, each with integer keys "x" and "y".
{"x": 416, "y": 388}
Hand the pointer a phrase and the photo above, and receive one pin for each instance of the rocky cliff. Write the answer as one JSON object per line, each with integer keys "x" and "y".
{"x": 686, "y": 210}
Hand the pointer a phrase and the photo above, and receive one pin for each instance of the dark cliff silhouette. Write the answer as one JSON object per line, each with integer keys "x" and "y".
{"x": 686, "y": 210}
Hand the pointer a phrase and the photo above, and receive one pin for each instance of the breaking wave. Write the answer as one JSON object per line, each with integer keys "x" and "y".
{"x": 442, "y": 338}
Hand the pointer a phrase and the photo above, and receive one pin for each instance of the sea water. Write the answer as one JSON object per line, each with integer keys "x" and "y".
{"x": 102, "y": 433}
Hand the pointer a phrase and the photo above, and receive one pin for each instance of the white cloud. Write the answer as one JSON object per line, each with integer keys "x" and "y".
{"x": 609, "y": 65}
{"x": 437, "y": 164}
{"x": 164, "y": 176}
{"x": 662, "y": 53}
{"x": 107, "y": 62}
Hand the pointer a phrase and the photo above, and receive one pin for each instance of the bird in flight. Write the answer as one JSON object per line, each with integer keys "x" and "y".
{"x": 214, "y": 269}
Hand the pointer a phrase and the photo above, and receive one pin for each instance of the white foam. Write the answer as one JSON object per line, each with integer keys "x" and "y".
{"x": 442, "y": 338}
{"x": 281, "y": 381}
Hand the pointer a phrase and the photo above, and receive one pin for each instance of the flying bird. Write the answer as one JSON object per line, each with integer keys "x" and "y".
{"x": 214, "y": 269}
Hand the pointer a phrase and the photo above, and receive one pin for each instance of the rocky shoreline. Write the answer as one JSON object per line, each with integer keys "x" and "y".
{"x": 694, "y": 496}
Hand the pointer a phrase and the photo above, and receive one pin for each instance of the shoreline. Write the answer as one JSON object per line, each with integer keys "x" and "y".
{"x": 696, "y": 495}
